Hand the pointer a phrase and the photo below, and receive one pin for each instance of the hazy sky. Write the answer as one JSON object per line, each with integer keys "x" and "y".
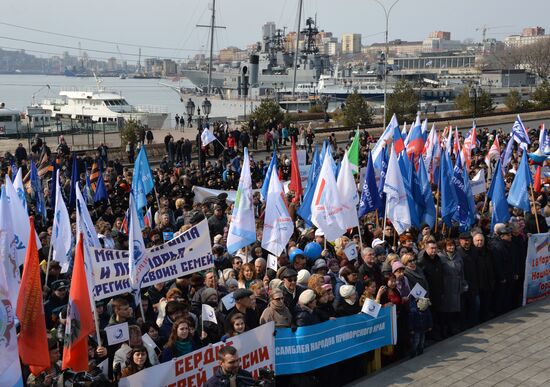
{"x": 171, "y": 23}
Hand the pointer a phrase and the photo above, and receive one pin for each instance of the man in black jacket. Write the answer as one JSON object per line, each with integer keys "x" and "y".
{"x": 470, "y": 299}
{"x": 430, "y": 262}
{"x": 502, "y": 250}
{"x": 486, "y": 275}
{"x": 230, "y": 373}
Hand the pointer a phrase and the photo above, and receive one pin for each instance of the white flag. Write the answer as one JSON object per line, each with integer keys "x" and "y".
{"x": 418, "y": 291}
{"x": 118, "y": 333}
{"x": 61, "y": 230}
{"x": 85, "y": 226}
{"x": 351, "y": 251}
{"x": 138, "y": 262}
{"x": 478, "y": 183}
{"x": 242, "y": 230}
{"x": 21, "y": 226}
{"x": 20, "y": 188}
{"x": 207, "y": 137}
{"x": 10, "y": 368}
{"x": 278, "y": 225}
{"x": 327, "y": 211}
{"x": 228, "y": 301}
{"x": 8, "y": 260}
{"x": 271, "y": 262}
{"x": 208, "y": 314}
{"x": 348, "y": 193}
{"x": 371, "y": 307}
{"x": 397, "y": 206}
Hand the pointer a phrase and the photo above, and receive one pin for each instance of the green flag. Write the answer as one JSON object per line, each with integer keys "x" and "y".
{"x": 353, "y": 153}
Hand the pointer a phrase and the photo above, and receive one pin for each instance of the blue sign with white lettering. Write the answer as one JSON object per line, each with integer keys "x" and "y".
{"x": 319, "y": 345}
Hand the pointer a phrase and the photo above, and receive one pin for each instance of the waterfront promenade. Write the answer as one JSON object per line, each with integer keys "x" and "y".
{"x": 511, "y": 350}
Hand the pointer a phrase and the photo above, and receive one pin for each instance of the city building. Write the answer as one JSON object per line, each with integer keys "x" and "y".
{"x": 507, "y": 78}
{"x": 528, "y": 36}
{"x": 351, "y": 43}
{"x": 396, "y": 48}
{"x": 440, "y": 41}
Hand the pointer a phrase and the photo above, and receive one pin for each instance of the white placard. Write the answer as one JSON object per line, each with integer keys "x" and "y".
{"x": 117, "y": 333}
{"x": 228, "y": 301}
{"x": 351, "y": 251}
{"x": 418, "y": 291}
{"x": 271, "y": 262}
{"x": 371, "y": 307}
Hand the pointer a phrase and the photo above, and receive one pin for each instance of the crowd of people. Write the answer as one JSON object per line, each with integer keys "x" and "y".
{"x": 470, "y": 277}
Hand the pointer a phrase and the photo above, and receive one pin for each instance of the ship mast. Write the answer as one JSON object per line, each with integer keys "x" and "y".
{"x": 212, "y": 27}
{"x": 300, "y": 3}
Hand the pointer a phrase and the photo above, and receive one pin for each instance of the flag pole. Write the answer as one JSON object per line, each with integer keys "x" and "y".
{"x": 48, "y": 263}
{"x": 535, "y": 209}
{"x": 436, "y": 209}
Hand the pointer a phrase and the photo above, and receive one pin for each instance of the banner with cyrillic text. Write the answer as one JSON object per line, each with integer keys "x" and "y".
{"x": 319, "y": 345}
{"x": 188, "y": 253}
{"x": 537, "y": 268}
{"x": 255, "y": 348}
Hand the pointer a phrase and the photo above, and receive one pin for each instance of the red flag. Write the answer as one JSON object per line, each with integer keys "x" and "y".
{"x": 295, "y": 179}
{"x": 80, "y": 322}
{"x": 33, "y": 341}
{"x": 538, "y": 181}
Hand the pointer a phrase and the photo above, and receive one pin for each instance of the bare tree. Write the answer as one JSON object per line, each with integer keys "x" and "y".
{"x": 535, "y": 57}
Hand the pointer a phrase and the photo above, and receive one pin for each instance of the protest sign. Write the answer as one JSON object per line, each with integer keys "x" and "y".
{"x": 418, "y": 291}
{"x": 255, "y": 348}
{"x": 117, "y": 333}
{"x": 315, "y": 346}
{"x": 371, "y": 307}
{"x": 187, "y": 253}
{"x": 537, "y": 268}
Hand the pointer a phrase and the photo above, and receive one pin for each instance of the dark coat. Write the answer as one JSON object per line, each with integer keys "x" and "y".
{"x": 503, "y": 260}
{"x": 433, "y": 271}
{"x": 419, "y": 321}
{"x": 289, "y": 300}
{"x": 486, "y": 272}
{"x": 305, "y": 316}
{"x": 453, "y": 282}
{"x": 244, "y": 378}
{"x": 470, "y": 260}
{"x": 342, "y": 308}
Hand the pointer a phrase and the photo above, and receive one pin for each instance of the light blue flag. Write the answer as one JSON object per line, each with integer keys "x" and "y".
{"x": 429, "y": 215}
{"x": 138, "y": 264}
{"x": 142, "y": 182}
{"x": 449, "y": 201}
{"x": 304, "y": 211}
{"x": 370, "y": 197}
{"x": 519, "y": 191}
{"x": 383, "y": 170}
{"x": 272, "y": 164}
{"x": 242, "y": 230}
{"x": 519, "y": 133}
{"x": 507, "y": 155}
{"x": 497, "y": 195}
{"x": 407, "y": 172}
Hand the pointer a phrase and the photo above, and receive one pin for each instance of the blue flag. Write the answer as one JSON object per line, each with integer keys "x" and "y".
{"x": 498, "y": 198}
{"x": 142, "y": 182}
{"x": 383, "y": 159}
{"x": 267, "y": 177}
{"x": 426, "y": 196}
{"x": 304, "y": 211}
{"x": 100, "y": 190}
{"x": 37, "y": 194}
{"x": 370, "y": 197}
{"x": 519, "y": 191}
{"x": 449, "y": 201}
{"x": 462, "y": 215}
{"x": 74, "y": 181}
{"x": 53, "y": 184}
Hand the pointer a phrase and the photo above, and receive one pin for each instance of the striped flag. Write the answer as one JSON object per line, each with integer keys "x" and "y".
{"x": 494, "y": 152}
{"x": 470, "y": 143}
{"x": 520, "y": 134}
{"x": 94, "y": 175}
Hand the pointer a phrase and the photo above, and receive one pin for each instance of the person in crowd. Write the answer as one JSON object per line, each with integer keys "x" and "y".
{"x": 235, "y": 326}
{"x": 246, "y": 275}
{"x": 50, "y": 376}
{"x": 277, "y": 311}
{"x": 431, "y": 263}
{"x": 180, "y": 341}
{"x": 420, "y": 322}
{"x": 369, "y": 269}
{"x": 229, "y": 373}
{"x": 243, "y": 305}
{"x": 291, "y": 291}
{"x": 486, "y": 276}
{"x": 413, "y": 273}
{"x": 454, "y": 285}
{"x": 348, "y": 303}
{"x": 305, "y": 309}
{"x": 502, "y": 251}
{"x": 138, "y": 360}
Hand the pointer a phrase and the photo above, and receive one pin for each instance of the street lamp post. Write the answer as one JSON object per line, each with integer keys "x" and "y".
{"x": 475, "y": 93}
{"x": 206, "y": 107}
{"x": 387, "y": 12}
{"x": 190, "y": 107}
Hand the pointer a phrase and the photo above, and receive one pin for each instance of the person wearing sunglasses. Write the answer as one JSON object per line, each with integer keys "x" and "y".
{"x": 277, "y": 311}
{"x": 413, "y": 272}
{"x": 290, "y": 290}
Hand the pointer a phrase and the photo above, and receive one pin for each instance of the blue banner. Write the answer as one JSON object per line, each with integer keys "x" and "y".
{"x": 319, "y": 345}
{"x": 537, "y": 268}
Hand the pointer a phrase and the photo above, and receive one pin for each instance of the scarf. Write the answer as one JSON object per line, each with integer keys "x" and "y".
{"x": 183, "y": 347}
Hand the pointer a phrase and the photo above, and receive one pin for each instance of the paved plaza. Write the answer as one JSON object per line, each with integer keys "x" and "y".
{"x": 511, "y": 350}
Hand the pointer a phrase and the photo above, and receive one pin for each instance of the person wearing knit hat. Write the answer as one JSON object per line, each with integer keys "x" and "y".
{"x": 305, "y": 309}
{"x": 348, "y": 304}
{"x": 209, "y": 296}
{"x": 396, "y": 265}
{"x": 303, "y": 277}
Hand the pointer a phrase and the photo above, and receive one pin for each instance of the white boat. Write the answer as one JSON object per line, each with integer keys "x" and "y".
{"x": 10, "y": 120}
{"x": 102, "y": 106}
{"x": 370, "y": 87}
